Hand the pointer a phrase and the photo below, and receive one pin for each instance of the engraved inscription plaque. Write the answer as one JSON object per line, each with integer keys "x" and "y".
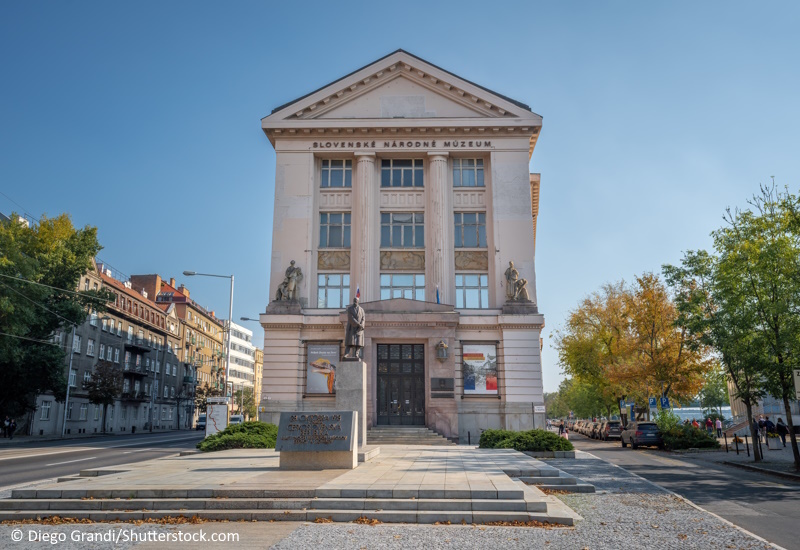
{"x": 316, "y": 431}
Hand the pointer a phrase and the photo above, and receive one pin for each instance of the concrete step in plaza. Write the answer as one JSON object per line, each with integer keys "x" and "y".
{"x": 564, "y": 482}
{"x": 400, "y": 435}
{"x": 403, "y": 484}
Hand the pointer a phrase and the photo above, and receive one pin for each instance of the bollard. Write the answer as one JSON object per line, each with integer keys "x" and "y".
{"x": 760, "y": 448}
{"x": 469, "y": 439}
{"x": 736, "y": 441}
{"x": 747, "y": 445}
{"x": 726, "y": 442}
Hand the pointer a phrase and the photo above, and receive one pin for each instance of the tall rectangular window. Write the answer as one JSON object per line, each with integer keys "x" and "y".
{"x": 69, "y": 410}
{"x": 402, "y": 173}
{"x": 472, "y": 291}
{"x": 334, "y": 230}
{"x": 102, "y": 353}
{"x": 84, "y": 411}
{"x": 104, "y": 324}
{"x": 45, "y": 410}
{"x": 337, "y": 173}
{"x": 73, "y": 376}
{"x": 470, "y": 230}
{"x": 90, "y": 347}
{"x": 333, "y": 290}
{"x": 108, "y": 353}
{"x": 403, "y": 285}
{"x": 402, "y": 230}
{"x": 468, "y": 173}
{"x": 76, "y": 344}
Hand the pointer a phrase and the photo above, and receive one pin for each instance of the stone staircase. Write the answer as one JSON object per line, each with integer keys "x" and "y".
{"x": 404, "y": 435}
{"x": 563, "y": 482}
{"x": 517, "y": 502}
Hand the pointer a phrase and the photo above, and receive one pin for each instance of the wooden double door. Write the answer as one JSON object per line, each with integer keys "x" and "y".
{"x": 401, "y": 384}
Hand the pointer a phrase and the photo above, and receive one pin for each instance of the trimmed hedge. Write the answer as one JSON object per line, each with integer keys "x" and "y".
{"x": 531, "y": 440}
{"x": 248, "y": 435}
{"x": 688, "y": 437}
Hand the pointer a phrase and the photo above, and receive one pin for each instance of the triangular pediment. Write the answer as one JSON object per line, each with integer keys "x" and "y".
{"x": 401, "y": 85}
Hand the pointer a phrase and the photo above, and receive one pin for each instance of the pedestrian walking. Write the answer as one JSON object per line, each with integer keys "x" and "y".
{"x": 12, "y": 426}
{"x": 783, "y": 430}
{"x": 561, "y": 429}
{"x": 695, "y": 424}
{"x": 762, "y": 424}
{"x": 769, "y": 427}
{"x": 709, "y": 425}
{"x": 719, "y": 427}
{"x": 6, "y": 421}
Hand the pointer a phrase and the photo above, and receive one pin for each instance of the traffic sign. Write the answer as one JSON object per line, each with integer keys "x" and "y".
{"x": 665, "y": 403}
{"x": 621, "y": 403}
{"x": 652, "y": 401}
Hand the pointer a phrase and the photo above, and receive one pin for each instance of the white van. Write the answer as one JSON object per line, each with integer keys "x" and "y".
{"x": 236, "y": 419}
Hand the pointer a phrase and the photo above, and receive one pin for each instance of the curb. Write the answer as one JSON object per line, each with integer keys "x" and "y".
{"x": 785, "y": 475}
{"x": 693, "y": 505}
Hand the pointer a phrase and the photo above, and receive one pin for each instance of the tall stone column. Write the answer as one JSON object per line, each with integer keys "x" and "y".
{"x": 366, "y": 230}
{"x": 440, "y": 258}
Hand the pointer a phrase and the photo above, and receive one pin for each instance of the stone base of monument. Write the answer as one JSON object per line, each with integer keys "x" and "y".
{"x": 323, "y": 440}
{"x": 351, "y": 394}
{"x": 520, "y": 307}
{"x": 318, "y": 460}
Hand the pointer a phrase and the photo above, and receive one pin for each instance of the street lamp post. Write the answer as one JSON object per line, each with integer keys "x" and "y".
{"x": 230, "y": 320}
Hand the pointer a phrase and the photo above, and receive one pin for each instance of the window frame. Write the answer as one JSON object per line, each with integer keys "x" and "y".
{"x": 324, "y": 286}
{"x": 389, "y": 171}
{"x": 477, "y": 169}
{"x": 345, "y": 226}
{"x": 464, "y": 288}
{"x": 327, "y": 170}
{"x": 417, "y": 287}
{"x": 460, "y": 229}
{"x": 417, "y": 230}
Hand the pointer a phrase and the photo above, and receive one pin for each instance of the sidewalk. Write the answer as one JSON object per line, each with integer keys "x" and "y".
{"x": 776, "y": 461}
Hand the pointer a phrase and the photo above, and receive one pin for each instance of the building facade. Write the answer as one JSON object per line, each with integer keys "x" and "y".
{"x": 243, "y": 360}
{"x": 409, "y": 186}
{"x": 137, "y": 337}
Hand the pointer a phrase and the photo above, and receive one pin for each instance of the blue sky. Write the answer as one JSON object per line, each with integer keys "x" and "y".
{"x": 143, "y": 118}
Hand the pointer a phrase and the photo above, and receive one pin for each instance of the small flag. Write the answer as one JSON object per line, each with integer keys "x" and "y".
{"x": 358, "y": 292}
{"x": 437, "y": 294}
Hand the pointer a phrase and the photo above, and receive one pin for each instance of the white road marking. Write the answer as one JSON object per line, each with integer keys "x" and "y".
{"x": 85, "y": 448}
{"x": 71, "y": 461}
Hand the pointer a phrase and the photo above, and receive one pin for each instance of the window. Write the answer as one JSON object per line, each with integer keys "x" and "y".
{"x": 84, "y": 411}
{"x": 87, "y": 377}
{"x": 163, "y": 412}
{"x": 116, "y": 355}
{"x": 90, "y": 347}
{"x": 119, "y": 328}
{"x": 172, "y": 391}
{"x": 337, "y": 173}
{"x": 102, "y": 353}
{"x": 402, "y": 230}
{"x": 403, "y": 285}
{"x": 126, "y": 385}
{"x": 124, "y": 414}
{"x": 104, "y": 324}
{"x": 130, "y": 333}
{"x": 93, "y": 319}
{"x": 334, "y": 230}
{"x": 472, "y": 291}
{"x": 169, "y": 347}
{"x": 69, "y": 410}
{"x": 174, "y": 370}
{"x": 73, "y": 375}
{"x": 111, "y": 412}
{"x": 97, "y": 412}
{"x": 402, "y": 173}
{"x": 170, "y": 413}
{"x": 467, "y": 172}
{"x": 470, "y": 230}
{"x": 86, "y": 285}
{"x": 45, "y": 410}
{"x": 76, "y": 344}
{"x": 333, "y": 290}
{"x": 108, "y": 353}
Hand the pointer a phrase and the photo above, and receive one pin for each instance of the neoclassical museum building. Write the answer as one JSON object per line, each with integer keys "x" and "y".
{"x": 409, "y": 187}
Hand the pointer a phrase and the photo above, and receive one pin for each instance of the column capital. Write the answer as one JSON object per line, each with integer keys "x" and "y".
{"x": 364, "y": 155}
{"x": 442, "y": 154}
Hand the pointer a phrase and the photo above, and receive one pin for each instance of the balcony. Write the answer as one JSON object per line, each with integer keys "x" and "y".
{"x": 133, "y": 396}
{"x": 137, "y": 344}
{"x": 133, "y": 368}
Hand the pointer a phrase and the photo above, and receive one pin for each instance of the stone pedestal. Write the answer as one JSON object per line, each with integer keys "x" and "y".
{"x": 351, "y": 392}
{"x": 318, "y": 440}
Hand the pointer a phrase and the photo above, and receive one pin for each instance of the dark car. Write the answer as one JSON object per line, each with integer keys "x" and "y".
{"x": 641, "y": 433}
{"x": 612, "y": 429}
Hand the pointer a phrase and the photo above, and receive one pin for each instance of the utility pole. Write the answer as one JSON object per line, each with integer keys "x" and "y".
{"x": 153, "y": 393}
{"x": 69, "y": 375}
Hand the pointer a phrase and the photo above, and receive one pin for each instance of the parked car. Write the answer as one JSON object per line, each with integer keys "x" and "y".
{"x": 595, "y": 434}
{"x": 641, "y": 433}
{"x": 612, "y": 429}
{"x": 201, "y": 422}
{"x": 236, "y": 419}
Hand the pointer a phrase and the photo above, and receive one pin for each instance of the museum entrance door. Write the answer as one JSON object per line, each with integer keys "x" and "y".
{"x": 401, "y": 384}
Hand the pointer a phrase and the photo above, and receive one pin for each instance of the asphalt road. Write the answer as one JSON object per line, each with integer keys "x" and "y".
{"x": 28, "y": 463}
{"x": 766, "y": 505}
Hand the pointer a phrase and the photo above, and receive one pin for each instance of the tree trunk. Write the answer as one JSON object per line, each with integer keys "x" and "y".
{"x": 792, "y": 435}
{"x": 753, "y": 432}
{"x": 105, "y": 409}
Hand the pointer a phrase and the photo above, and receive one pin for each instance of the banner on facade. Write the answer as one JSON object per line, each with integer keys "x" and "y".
{"x": 479, "y": 367}
{"x": 321, "y": 368}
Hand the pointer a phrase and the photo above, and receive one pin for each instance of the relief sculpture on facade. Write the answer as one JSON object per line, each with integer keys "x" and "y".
{"x": 469, "y": 260}
{"x": 333, "y": 260}
{"x": 403, "y": 260}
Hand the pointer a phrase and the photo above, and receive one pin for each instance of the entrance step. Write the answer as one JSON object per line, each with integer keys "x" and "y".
{"x": 402, "y": 435}
{"x": 564, "y": 483}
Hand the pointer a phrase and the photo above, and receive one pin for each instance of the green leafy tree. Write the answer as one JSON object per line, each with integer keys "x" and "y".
{"x": 105, "y": 386}
{"x": 245, "y": 402}
{"x": 55, "y": 254}
{"x": 714, "y": 394}
{"x": 202, "y": 393}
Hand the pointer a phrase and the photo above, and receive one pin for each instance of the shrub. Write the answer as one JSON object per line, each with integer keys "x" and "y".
{"x": 688, "y": 437}
{"x": 531, "y": 440}
{"x": 666, "y": 420}
{"x": 248, "y": 435}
